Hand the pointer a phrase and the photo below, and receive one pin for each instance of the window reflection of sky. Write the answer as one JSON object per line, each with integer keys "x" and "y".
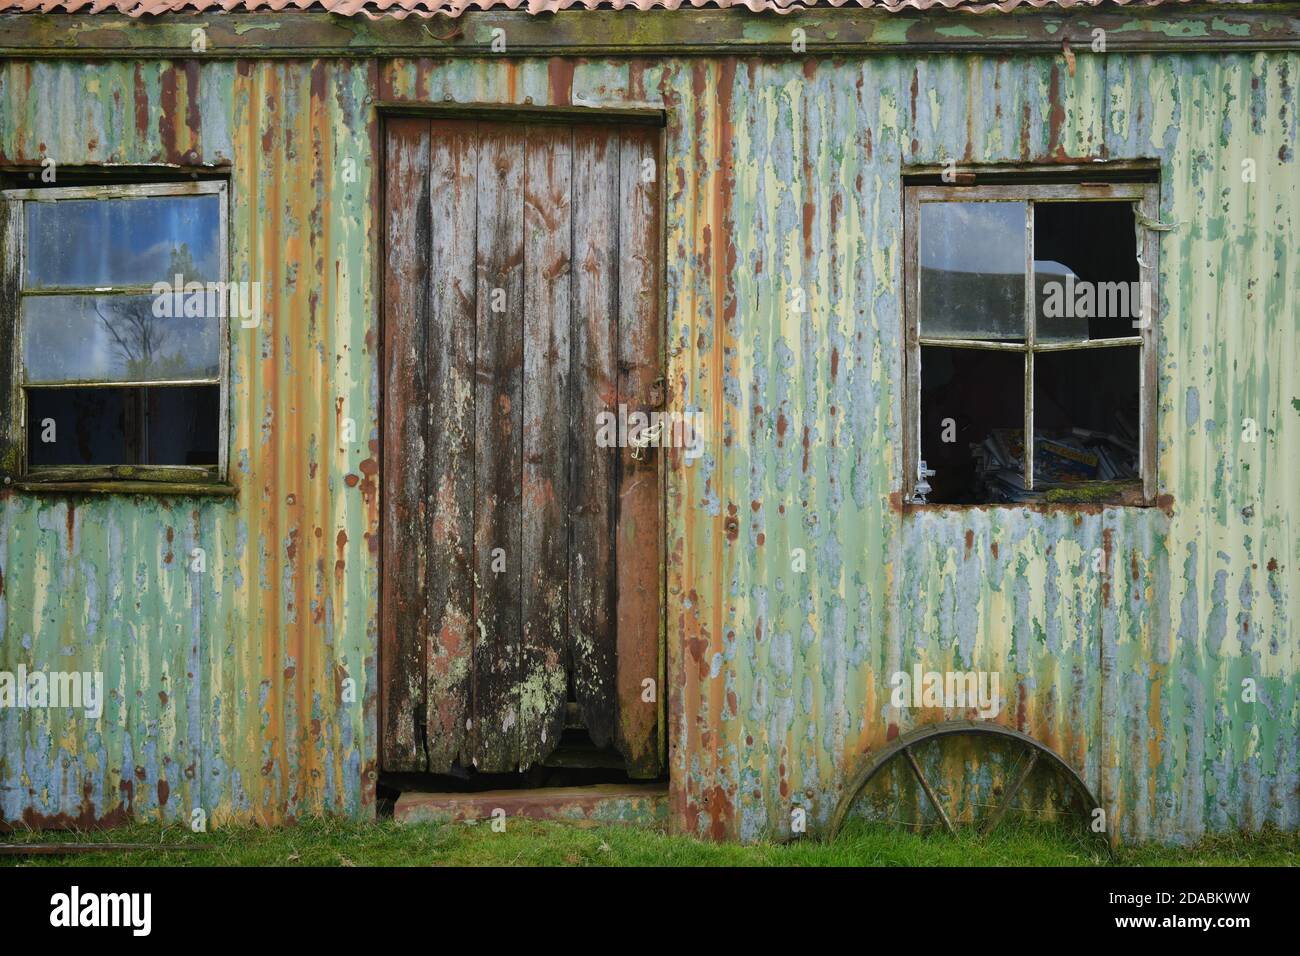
{"x": 116, "y": 242}
{"x": 984, "y": 237}
{"x": 987, "y": 237}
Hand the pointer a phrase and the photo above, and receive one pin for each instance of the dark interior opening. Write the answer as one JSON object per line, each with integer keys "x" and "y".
{"x": 124, "y": 425}
{"x": 1086, "y": 414}
{"x": 967, "y": 395}
{"x": 1090, "y": 244}
{"x": 576, "y": 762}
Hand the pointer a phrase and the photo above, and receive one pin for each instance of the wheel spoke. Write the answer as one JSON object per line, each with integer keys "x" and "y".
{"x": 925, "y": 785}
{"x": 1082, "y": 804}
{"x": 1010, "y": 795}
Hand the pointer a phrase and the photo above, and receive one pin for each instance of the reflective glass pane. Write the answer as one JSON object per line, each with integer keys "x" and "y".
{"x": 120, "y": 242}
{"x": 973, "y": 270}
{"x": 169, "y": 425}
{"x": 114, "y": 338}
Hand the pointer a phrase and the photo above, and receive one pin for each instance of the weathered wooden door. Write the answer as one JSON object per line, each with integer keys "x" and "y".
{"x": 522, "y": 561}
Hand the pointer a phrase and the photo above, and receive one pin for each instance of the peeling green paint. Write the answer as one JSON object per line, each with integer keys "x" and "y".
{"x": 245, "y": 28}
{"x": 782, "y": 175}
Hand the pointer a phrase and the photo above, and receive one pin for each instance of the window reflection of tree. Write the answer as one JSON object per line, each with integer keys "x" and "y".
{"x": 139, "y": 336}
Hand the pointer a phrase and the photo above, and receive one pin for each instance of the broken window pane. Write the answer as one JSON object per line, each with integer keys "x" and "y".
{"x": 80, "y": 426}
{"x": 1087, "y": 402}
{"x": 106, "y": 425}
{"x": 1085, "y": 271}
{"x": 971, "y": 398}
{"x": 973, "y": 270}
{"x": 184, "y": 425}
{"x": 90, "y": 243}
{"x": 1086, "y": 415}
{"x": 114, "y": 338}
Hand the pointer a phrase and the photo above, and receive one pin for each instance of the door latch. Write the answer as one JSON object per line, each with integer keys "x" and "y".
{"x": 658, "y": 393}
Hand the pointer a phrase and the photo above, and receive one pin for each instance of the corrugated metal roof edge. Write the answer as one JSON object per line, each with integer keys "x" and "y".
{"x": 400, "y": 9}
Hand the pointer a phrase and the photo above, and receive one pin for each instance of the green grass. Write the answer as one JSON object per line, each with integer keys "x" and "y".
{"x": 528, "y": 843}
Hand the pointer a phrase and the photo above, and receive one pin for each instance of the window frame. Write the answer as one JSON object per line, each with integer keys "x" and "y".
{"x": 1146, "y": 196}
{"x": 13, "y": 390}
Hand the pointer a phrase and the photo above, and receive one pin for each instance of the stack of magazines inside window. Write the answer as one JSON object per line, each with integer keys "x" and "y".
{"x": 1060, "y": 458}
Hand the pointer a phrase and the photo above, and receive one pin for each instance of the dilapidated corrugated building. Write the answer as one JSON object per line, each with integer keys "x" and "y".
{"x": 725, "y": 396}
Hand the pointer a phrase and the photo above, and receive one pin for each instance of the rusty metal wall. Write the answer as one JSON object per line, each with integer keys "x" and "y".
{"x": 229, "y": 689}
{"x": 782, "y": 174}
{"x": 785, "y": 176}
{"x": 400, "y": 9}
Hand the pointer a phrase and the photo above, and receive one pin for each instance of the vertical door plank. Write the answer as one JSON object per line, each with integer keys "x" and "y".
{"x": 405, "y": 400}
{"x": 548, "y": 236}
{"x": 498, "y": 405}
{"x": 449, "y": 467}
{"x": 594, "y": 391}
{"x": 639, "y": 531}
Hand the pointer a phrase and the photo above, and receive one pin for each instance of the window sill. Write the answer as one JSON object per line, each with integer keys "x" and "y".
{"x": 1085, "y": 497}
{"x": 178, "y": 489}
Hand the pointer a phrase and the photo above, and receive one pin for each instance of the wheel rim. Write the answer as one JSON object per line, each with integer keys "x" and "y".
{"x": 901, "y": 749}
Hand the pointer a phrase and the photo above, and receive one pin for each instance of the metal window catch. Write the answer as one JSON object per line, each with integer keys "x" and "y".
{"x": 922, "y": 485}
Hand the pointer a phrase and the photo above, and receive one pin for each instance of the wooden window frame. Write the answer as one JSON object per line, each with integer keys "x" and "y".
{"x": 1146, "y": 197}
{"x": 136, "y": 479}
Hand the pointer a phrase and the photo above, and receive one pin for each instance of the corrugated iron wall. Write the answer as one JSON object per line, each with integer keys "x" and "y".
{"x": 782, "y": 175}
{"x": 228, "y": 688}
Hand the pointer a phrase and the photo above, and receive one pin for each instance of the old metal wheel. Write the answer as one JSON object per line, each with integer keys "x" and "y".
{"x": 1024, "y": 754}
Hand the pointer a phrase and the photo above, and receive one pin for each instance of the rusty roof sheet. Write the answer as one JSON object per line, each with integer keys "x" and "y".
{"x": 452, "y": 8}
